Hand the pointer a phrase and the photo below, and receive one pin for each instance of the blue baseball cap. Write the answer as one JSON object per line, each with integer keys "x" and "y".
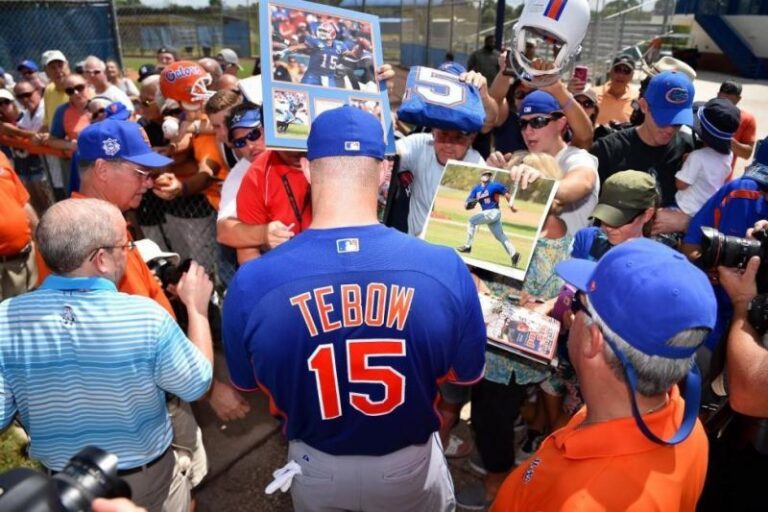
{"x": 670, "y": 98}
{"x": 758, "y": 169}
{"x": 345, "y": 131}
{"x": 248, "y": 119}
{"x": 453, "y": 68}
{"x": 27, "y": 64}
{"x": 112, "y": 139}
{"x": 659, "y": 283}
{"x": 539, "y": 102}
{"x": 117, "y": 111}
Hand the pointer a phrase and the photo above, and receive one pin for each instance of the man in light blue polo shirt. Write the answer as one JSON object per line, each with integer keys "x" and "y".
{"x": 83, "y": 364}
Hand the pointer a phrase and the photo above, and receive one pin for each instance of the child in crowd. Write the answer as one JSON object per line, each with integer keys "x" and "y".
{"x": 706, "y": 169}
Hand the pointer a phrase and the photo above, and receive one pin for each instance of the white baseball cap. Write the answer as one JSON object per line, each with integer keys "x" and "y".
{"x": 52, "y": 56}
{"x": 6, "y": 94}
{"x": 149, "y": 251}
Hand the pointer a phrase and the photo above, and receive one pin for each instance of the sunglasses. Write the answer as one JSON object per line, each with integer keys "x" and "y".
{"x": 622, "y": 70}
{"x": 92, "y": 72}
{"x": 5, "y": 103}
{"x": 252, "y": 136}
{"x": 538, "y": 122}
{"x": 99, "y": 112}
{"x": 587, "y": 103}
{"x": 71, "y": 90}
{"x": 24, "y": 95}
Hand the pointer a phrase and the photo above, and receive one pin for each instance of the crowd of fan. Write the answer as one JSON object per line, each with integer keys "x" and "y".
{"x": 631, "y": 163}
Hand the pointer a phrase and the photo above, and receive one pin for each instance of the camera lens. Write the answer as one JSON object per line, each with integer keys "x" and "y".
{"x": 92, "y": 473}
{"x": 718, "y": 249}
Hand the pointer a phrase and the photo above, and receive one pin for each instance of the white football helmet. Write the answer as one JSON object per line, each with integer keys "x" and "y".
{"x": 326, "y": 31}
{"x": 552, "y": 30}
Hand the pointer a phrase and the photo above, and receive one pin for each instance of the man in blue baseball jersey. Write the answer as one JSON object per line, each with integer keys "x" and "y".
{"x": 350, "y": 345}
{"x": 487, "y": 194}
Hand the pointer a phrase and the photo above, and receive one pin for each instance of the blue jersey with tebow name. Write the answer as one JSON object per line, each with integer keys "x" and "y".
{"x": 350, "y": 339}
{"x": 437, "y": 99}
{"x": 487, "y": 194}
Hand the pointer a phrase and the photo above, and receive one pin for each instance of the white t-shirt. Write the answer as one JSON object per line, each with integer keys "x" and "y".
{"x": 417, "y": 154}
{"x": 576, "y": 215}
{"x": 115, "y": 94}
{"x": 705, "y": 171}
{"x": 34, "y": 122}
{"x": 228, "y": 202}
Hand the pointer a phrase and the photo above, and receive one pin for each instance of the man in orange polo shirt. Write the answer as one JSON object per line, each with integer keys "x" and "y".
{"x": 615, "y": 97}
{"x": 18, "y": 271}
{"x": 636, "y": 451}
{"x": 275, "y": 194}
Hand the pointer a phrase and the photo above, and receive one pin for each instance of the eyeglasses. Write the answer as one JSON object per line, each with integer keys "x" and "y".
{"x": 92, "y": 71}
{"x": 129, "y": 246}
{"x": 623, "y": 70}
{"x": 72, "y": 90}
{"x": 252, "y": 136}
{"x": 142, "y": 173}
{"x": 586, "y": 103}
{"x": 24, "y": 95}
{"x": 577, "y": 305}
{"x": 538, "y": 122}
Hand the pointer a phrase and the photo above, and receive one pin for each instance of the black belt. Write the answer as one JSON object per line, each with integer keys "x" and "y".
{"x": 132, "y": 471}
{"x": 18, "y": 256}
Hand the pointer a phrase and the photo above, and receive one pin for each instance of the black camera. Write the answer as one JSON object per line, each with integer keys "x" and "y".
{"x": 167, "y": 272}
{"x": 718, "y": 249}
{"x": 90, "y": 474}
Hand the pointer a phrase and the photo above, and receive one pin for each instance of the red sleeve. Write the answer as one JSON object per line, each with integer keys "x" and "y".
{"x": 251, "y": 207}
{"x": 750, "y": 131}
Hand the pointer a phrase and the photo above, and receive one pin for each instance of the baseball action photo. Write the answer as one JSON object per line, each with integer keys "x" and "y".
{"x": 487, "y": 218}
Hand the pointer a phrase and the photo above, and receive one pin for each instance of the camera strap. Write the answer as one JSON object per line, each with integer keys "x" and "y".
{"x": 292, "y": 199}
{"x": 692, "y": 400}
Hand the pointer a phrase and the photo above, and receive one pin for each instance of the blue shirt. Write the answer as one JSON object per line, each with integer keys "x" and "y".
{"x": 83, "y": 364}
{"x": 323, "y": 56}
{"x": 349, "y": 330}
{"x": 487, "y": 194}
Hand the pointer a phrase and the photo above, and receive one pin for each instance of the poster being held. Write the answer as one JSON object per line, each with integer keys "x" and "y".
{"x": 315, "y": 58}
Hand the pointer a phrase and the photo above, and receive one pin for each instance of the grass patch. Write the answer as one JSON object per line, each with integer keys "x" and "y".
{"x": 484, "y": 247}
{"x": 13, "y": 446}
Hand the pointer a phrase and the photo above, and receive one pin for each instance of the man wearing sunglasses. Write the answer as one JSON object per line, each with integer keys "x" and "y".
{"x": 642, "y": 312}
{"x": 615, "y": 97}
{"x": 95, "y": 71}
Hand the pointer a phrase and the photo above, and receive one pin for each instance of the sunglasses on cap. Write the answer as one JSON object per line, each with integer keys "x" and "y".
{"x": 71, "y": 90}
{"x": 538, "y": 121}
{"x": 252, "y": 136}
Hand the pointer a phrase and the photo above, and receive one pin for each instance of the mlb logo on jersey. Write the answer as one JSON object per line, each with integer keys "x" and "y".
{"x": 346, "y": 245}
{"x": 351, "y": 145}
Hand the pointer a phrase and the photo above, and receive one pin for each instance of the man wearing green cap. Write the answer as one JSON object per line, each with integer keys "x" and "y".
{"x": 627, "y": 203}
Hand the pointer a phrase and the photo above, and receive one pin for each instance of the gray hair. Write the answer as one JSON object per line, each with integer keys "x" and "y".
{"x": 151, "y": 80}
{"x": 92, "y": 59}
{"x": 71, "y": 230}
{"x": 655, "y": 374}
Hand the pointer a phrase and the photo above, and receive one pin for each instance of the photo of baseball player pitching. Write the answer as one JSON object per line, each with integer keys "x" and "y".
{"x": 487, "y": 193}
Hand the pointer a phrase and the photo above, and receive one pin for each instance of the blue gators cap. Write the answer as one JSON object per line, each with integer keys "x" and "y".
{"x": 248, "y": 119}
{"x": 453, "y": 68}
{"x": 345, "y": 131}
{"x": 27, "y": 64}
{"x": 111, "y": 140}
{"x": 117, "y": 111}
{"x": 539, "y": 102}
{"x": 658, "y": 283}
{"x": 758, "y": 169}
{"x": 670, "y": 98}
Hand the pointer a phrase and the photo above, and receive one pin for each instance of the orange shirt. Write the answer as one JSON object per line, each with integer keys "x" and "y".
{"x": 137, "y": 280}
{"x": 613, "y": 108}
{"x": 15, "y": 232}
{"x": 206, "y": 149}
{"x": 263, "y": 198}
{"x": 745, "y": 133}
{"x": 611, "y": 466}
